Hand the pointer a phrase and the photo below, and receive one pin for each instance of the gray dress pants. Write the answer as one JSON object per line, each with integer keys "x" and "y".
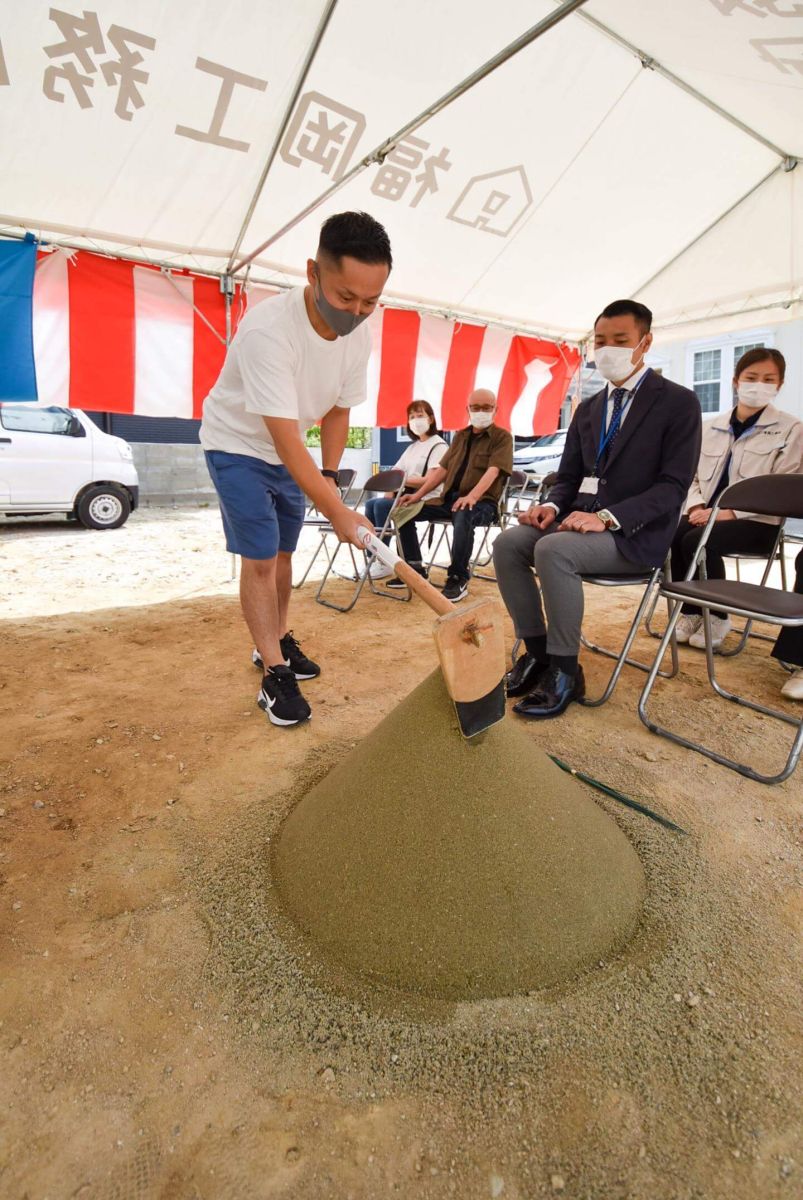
{"x": 558, "y": 559}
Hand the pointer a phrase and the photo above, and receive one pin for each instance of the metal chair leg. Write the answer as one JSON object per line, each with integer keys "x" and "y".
{"x": 622, "y": 658}
{"x": 723, "y": 760}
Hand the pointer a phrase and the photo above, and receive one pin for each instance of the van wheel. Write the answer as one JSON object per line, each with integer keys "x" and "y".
{"x": 104, "y": 507}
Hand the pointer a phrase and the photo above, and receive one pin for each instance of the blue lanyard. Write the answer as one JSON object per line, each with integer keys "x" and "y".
{"x": 607, "y": 436}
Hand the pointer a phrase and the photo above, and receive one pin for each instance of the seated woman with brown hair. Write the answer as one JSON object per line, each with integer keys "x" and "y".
{"x": 755, "y": 438}
{"x": 426, "y": 450}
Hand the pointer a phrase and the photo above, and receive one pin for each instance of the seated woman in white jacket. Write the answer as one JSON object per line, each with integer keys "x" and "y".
{"x": 755, "y": 438}
{"x": 426, "y": 450}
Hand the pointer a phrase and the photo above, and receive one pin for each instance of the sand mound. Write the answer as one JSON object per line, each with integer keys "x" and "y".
{"x": 456, "y": 869}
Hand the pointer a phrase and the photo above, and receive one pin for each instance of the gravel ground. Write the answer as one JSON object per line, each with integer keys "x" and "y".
{"x": 165, "y": 1033}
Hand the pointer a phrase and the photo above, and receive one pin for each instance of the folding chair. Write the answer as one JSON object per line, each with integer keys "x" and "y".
{"x": 770, "y": 495}
{"x": 650, "y": 581}
{"x": 510, "y": 502}
{"x": 514, "y": 489}
{"x": 384, "y": 481}
{"x": 314, "y": 520}
{"x": 776, "y": 554}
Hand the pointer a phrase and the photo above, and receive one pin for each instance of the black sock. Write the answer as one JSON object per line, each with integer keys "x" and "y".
{"x": 564, "y": 662}
{"x": 536, "y": 647}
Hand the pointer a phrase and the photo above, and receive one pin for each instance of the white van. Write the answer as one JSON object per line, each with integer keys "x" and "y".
{"x": 58, "y": 460}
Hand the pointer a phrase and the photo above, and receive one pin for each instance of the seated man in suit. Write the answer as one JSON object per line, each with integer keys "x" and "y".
{"x": 630, "y": 456}
{"x": 472, "y": 476}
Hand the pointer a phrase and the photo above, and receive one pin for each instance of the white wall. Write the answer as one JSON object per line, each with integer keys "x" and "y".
{"x": 676, "y": 359}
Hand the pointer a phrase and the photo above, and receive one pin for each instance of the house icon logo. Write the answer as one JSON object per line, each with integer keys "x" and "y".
{"x": 493, "y": 202}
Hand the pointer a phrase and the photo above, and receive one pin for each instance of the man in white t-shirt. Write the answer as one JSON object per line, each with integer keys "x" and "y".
{"x": 297, "y": 360}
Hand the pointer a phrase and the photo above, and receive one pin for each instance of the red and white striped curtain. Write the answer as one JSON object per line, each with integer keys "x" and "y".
{"x": 111, "y": 335}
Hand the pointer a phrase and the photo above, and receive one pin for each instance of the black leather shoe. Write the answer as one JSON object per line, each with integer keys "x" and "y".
{"x": 553, "y": 694}
{"x": 525, "y": 675}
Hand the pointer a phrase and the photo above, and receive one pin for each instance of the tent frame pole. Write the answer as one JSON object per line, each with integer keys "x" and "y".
{"x": 378, "y": 155}
{"x": 227, "y": 288}
{"x": 288, "y": 112}
{"x": 651, "y": 64}
{"x": 722, "y": 216}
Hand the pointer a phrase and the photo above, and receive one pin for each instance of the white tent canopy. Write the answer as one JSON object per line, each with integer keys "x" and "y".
{"x": 636, "y": 147}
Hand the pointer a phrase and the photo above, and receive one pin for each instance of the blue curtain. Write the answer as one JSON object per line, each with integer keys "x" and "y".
{"x": 17, "y": 370}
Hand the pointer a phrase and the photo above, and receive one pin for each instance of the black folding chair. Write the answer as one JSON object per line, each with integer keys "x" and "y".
{"x": 314, "y": 520}
{"x": 771, "y": 495}
{"x": 385, "y": 481}
{"x": 515, "y": 486}
{"x": 650, "y": 581}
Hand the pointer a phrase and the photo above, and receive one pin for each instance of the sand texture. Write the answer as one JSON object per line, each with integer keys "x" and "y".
{"x": 452, "y": 868}
{"x": 163, "y": 1035}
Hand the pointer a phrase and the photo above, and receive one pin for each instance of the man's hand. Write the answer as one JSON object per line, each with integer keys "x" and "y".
{"x": 699, "y": 516}
{"x": 464, "y": 502}
{"x": 581, "y": 522}
{"x": 350, "y": 526}
{"x": 540, "y": 516}
{"x": 407, "y": 498}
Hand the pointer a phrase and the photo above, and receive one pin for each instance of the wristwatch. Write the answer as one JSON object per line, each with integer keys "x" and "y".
{"x": 608, "y": 519}
{"x": 328, "y": 474}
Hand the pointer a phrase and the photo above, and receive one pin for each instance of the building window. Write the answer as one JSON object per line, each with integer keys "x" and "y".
{"x": 707, "y": 378}
{"x": 710, "y": 367}
{"x": 738, "y": 351}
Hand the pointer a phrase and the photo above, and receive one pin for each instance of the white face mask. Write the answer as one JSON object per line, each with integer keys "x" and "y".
{"x": 480, "y": 420}
{"x": 419, "y": 425}
{"x": 616, "y": 363}
{"x": 756, "y": 395}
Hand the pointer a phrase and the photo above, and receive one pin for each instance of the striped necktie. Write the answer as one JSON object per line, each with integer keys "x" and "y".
{"x": 617, "y": 395}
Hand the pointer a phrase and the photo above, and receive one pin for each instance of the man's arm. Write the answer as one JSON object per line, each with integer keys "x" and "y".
{"x": 571, "y": 471}
{"x": 286, "y": 437}
{"x": 478, "y": 491}
{"x": 679, "y": 459}
{"x": 433, "y": 477}
{"x": 334, "y": 434}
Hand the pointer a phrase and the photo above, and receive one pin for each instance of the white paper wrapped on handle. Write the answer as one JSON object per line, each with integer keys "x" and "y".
{"x": 385, "y": 554}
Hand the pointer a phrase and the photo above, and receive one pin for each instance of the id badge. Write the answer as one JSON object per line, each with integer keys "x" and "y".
{"x": 590, "y": 485}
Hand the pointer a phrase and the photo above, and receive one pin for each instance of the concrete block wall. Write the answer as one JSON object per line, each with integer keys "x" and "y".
{"x": 177, "y": 474}
{"x": 171, "y": 474}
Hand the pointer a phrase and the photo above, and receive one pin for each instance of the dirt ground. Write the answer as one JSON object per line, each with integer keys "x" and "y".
{"x": 162, "y": 1038}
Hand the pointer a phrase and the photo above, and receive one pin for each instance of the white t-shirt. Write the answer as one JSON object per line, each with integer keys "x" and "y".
{"x": 278, "y": 366}
{"x": 423, "y": 454}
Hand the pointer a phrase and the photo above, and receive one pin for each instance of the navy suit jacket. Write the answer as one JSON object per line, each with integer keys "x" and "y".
{"x": 646, "y": 476}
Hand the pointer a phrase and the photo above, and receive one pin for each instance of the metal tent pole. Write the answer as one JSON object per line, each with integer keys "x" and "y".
{"x": 227, "y": 288}
{"x": 277, "y": 141}
{"x": 652, "y": 64}
{"x": 722, "y": 216}
{"x": 379, "y": 154}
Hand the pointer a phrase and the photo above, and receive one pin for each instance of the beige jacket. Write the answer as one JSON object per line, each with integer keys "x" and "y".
{"x": 774, "y": 446}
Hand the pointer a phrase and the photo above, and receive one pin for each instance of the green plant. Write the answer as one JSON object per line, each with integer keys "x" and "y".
{"x": 359, "y": 437}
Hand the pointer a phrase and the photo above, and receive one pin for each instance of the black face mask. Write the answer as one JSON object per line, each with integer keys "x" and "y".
{"x": 339, "y": 321}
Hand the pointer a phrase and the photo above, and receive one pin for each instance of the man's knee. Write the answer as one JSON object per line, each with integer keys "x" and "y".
{"x": 555, "y": 551}
{"x": 262, "y": 568}
{"x": 514, "y": 545}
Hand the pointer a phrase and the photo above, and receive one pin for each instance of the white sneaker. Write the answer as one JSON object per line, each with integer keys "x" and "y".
{"x": 686, "y": 626}
{"x": 720, "y": 628}
{"x": 378, "y": 570}
{"x": 793, "y": 688}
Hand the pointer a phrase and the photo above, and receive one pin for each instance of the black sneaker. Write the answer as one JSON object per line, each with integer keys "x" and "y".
{"x": 455, "y": 589}
{"x": 397, "y": 584}
{"x": 280, "y": 698}
{"x": 294, "y": 658}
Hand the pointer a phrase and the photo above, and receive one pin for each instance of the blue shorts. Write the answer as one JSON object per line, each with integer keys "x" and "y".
{"x": 262, "y": 506}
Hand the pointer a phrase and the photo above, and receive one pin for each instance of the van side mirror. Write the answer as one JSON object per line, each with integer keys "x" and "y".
{"x": 76, "y": 429}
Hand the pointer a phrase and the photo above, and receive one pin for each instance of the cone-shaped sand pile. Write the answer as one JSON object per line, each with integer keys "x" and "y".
{"x": 456, "y": 869}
